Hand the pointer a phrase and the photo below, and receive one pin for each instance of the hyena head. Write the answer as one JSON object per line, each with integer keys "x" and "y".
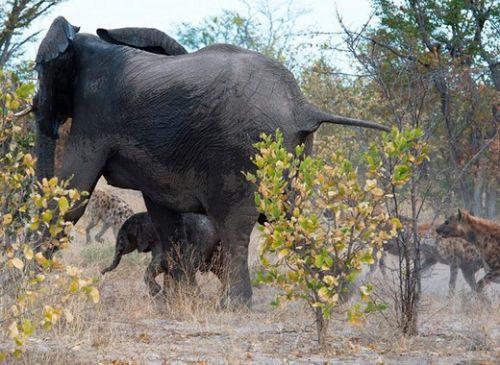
{"x": 457, "y": 225}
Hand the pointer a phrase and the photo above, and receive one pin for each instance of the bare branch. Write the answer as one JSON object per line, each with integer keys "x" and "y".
{"x": 17, "y": 18}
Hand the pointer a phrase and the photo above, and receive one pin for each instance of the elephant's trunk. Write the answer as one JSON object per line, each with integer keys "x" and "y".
{"x": 45, "y": 151}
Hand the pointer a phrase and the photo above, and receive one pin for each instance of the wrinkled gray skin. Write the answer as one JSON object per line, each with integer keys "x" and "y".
{"x": 138, "y": 233}
{"x": 178, "y": 127}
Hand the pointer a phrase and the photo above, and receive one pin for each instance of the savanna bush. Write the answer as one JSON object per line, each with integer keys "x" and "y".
{"x": 34, "y": 288}
{"x": 326, "y": 220}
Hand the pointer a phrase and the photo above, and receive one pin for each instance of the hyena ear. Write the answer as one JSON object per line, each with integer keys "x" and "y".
{"x": 460, "y": 215}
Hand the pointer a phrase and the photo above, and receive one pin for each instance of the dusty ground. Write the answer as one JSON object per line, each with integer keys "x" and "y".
{"x": 127, "y": 327}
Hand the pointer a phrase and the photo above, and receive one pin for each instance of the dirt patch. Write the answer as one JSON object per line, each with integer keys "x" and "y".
{"x": 128, "y": 327}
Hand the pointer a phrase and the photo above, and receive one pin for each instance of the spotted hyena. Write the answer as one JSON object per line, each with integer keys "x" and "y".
{"x": 483, "y": 234}
{"x": 454, "y": 252}
{"x": 109, "y": 209}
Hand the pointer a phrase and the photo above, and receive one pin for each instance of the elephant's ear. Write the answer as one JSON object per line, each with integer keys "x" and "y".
{"x": 57, "y": 40}
{"x": 145, "y": 234}
{"x": 147, "y": 39}
{"x": 54, "y": 63}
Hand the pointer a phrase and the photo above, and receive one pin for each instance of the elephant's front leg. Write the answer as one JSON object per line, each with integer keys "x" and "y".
{"x": 83, "y": 161}
{"x": 153, "y": 270}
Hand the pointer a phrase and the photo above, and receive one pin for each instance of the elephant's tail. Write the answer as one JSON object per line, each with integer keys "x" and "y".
{"x": 315, "y": 117}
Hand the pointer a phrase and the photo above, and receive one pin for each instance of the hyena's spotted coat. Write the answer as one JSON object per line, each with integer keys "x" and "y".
{"x": 109, "y": 209}
{"x": 454, "y": 252}
{"x": 483, "y": 234}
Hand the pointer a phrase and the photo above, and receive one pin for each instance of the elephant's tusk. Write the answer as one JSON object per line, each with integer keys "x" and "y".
{"x": 24, "y": 112}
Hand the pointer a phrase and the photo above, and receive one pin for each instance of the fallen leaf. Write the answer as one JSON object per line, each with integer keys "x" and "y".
{"x": 17, "y": 263}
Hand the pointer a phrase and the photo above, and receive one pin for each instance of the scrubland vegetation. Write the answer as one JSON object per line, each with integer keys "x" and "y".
{"x": 429, "y": 69}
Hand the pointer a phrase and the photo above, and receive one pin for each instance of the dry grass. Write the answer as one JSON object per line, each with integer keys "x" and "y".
{"x": 129, "y": 327}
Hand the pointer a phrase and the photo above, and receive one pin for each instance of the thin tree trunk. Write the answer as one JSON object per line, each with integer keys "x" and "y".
{"x": 491, "y": 199}
{"x": 478, "y": 207}
{"x": 321, "y": 327}
{"x": 414, "y": 283}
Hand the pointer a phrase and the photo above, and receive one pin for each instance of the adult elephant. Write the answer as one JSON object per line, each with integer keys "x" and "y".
{"x": 178, "y": 127}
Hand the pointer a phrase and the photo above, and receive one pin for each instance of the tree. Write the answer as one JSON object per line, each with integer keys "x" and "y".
{"x": 427, "y": 65}
{"x": 16, "y": 16}
{"x": 325, "y": 220}
{"x": 454, "y": 45}
{"x": 267, "y": 29}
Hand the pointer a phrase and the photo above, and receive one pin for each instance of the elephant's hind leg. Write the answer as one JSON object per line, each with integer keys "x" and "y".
{"x": 235, "y": 237}
{"x": 170, "y": 229}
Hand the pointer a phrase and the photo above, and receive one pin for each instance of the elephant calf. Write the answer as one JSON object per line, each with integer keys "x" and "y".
{"x": 203, "y": 252}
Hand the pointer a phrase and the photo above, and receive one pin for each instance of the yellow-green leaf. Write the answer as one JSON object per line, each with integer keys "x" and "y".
{"x": 63, "y": 204}
{"x": 28, "y": 328}
{"x": 47, "y": 216}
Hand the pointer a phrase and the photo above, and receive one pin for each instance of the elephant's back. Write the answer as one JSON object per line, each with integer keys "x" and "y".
{"x": 221, "y": 80}
{"x": 220, "y": 86}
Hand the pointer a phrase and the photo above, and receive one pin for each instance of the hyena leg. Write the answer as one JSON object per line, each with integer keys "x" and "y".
{"x": 470, "y": 277}
{"x": 427, "y": 264}
{"x": 376, "y": 263}
{"x": 453, "y": 279}
{"x": 491, "y": 276}
{"x": 93, "y": 222}
{"x": 382, "y": 265}
{"x": 98, "y": 236}
{"x": 115, "y": 231}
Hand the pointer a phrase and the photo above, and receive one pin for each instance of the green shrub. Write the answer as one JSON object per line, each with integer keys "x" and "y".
{"x": 325, "y": 220}
{"x": 34, "y": 289}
